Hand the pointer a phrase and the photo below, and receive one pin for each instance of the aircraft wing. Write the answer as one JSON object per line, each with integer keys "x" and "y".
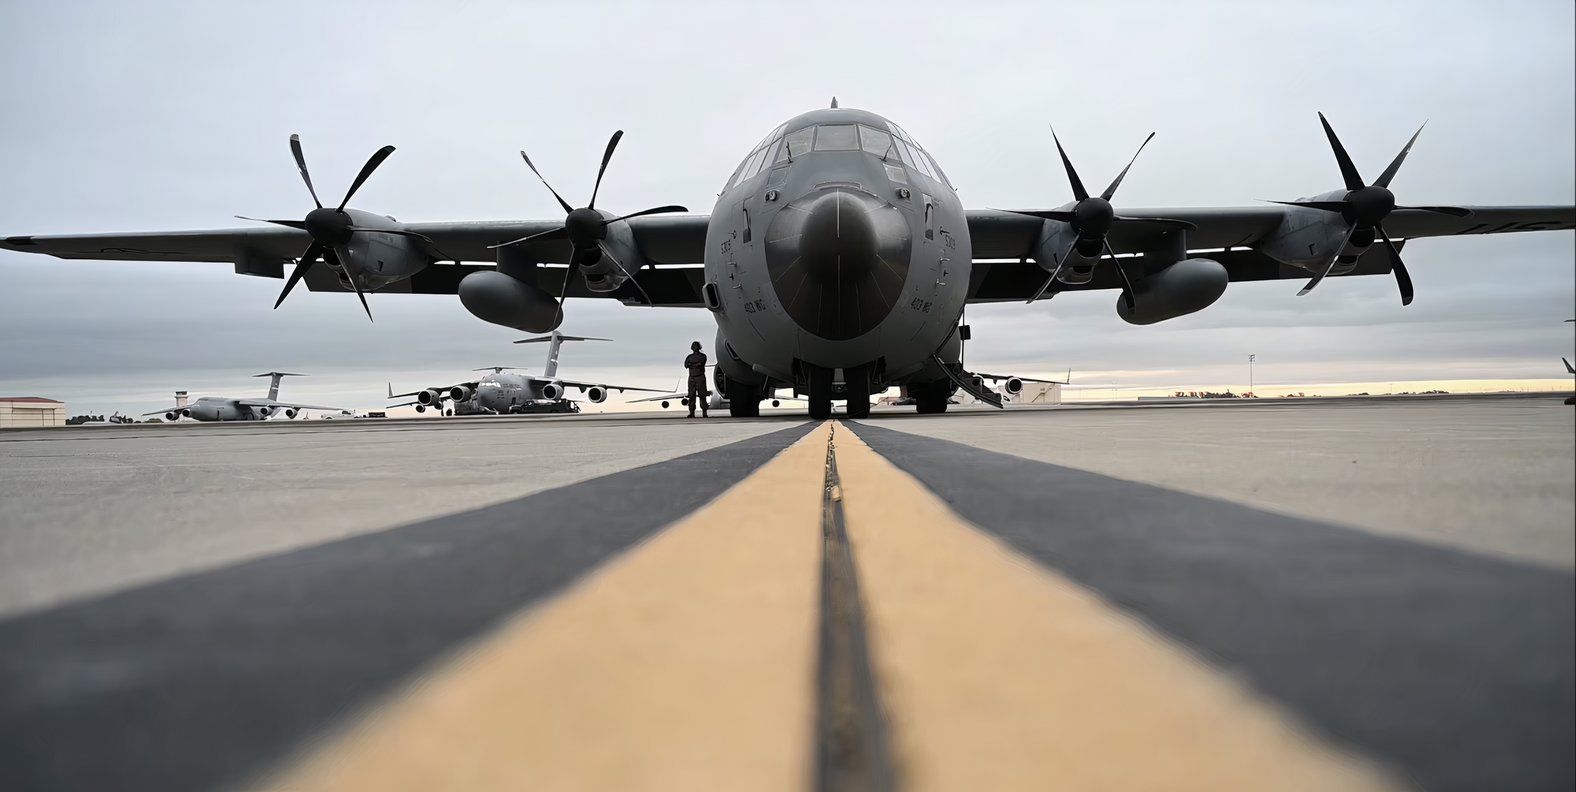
{"x": 999, "y": 377}
{"x": 272, "y": 403}
{"x": 1002, "y": 240}
{"x": 619, "y": 388}
{"x": 661, "y": 397}
{"x": 165, "y": 410}
{"x": 443, "y": 389}
{"x": 672, "y": 243}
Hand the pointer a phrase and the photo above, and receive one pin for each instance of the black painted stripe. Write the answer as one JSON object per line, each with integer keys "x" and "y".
{"x": 1456, "y": 669}
{"x": 203, "y": 680}
{"x": 851, "y": 748}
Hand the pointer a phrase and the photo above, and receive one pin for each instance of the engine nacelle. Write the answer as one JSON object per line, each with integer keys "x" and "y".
{"x": 290, "y": 412}
{"x": 1182, "y": 288}
{"x": 597, "y": 394}
{"x": 1014, "y": 386}
{"x": 421, "y": 408}
{"x": 460, "y": 393}
{"x": 172, "y": 416}
{"x": 553, "y": 391}
{"x": 265, "y": 411}
{"x": 498, "y": 298}
{"x": 429, "y": 397}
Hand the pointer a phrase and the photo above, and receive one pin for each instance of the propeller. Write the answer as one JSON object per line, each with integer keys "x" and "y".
{"x": 1364, "y": 208}
{"x": 1092, "y": 218}
{"x": 586, "y": 228}
{"x": 330, "y": 228}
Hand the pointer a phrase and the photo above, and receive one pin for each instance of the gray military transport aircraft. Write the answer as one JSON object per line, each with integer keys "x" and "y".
{"x": 837, "y": 259}
{"x": 505, "y": 392}
{"x": 224, "y": 408}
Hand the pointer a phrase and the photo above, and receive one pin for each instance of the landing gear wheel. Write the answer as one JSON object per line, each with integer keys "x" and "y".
{"x": 857, "y": 382}
{"x": 818, "y": 382}
{"x": 743, "y": 400}
{"x": 930, "y": 398}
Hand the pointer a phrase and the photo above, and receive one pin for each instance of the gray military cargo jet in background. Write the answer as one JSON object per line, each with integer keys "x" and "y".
{"x": 837, "y": 259}
{"x": 224, "y": 408}
{"x": 506, "y": 392}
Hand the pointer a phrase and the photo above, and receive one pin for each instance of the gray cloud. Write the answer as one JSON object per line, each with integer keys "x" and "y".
{"x": 175, "y": 115}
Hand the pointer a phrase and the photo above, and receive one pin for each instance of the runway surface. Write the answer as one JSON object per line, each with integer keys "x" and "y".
{"x": 1365, "y": 594}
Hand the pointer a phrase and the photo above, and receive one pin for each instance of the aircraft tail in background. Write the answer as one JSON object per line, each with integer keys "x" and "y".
{"x": 555, "y": 340}
{"x": 273, "y": 381}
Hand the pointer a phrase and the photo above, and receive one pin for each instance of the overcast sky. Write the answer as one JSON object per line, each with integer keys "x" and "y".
{"x": 163, "y": 116}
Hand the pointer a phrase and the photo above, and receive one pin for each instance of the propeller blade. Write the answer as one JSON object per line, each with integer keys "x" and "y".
{"x": 1050, "y": 214}
{"x": 1072, "y": 175}
{"x": 1453, "y": 211}
{"x": 1061, "y": 262}
{"x": 1349, "y": 174}
{"x": 563, "y": 290}
{"x": 295, "y": 149}
{"x": 1331, "y": 266}
{"x": 1395, "y": 164}
{"x": 655, "y": 210}
{"x": 551, "y": 233}
{"x": 612, "y": 143}
{"x": 305, "y": 263}
{"x": 366, "y": 170}
{"x": 1040, "y": 292}
{"x": 354, "y": 284}
{"x": 296, "y": 224}
{"x": 1403, "y": 279}
{"x": 1110, "y": 191}
{"x": 532, "y": 166}
{"x": 1323, "y": 206}
{"x": 1127, "y": 283}
{"x": 634, "y": 277}
{"x": 1165, "y": 221}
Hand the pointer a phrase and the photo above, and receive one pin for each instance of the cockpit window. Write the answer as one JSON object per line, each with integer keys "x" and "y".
{"x": 836, "y": 137}
{"x": 876, "y": 142}
{"x": 799, "y": 142}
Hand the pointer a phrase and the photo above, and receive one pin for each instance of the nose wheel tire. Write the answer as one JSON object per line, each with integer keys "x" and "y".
{"x": 744, "y": 401}
{"x": 931, "y": 397}
{"x": 818, "y": 385}
{"x": 857, "y": 381}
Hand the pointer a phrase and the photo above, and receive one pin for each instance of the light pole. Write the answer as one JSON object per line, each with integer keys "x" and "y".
{"x": 1250, "y": 373}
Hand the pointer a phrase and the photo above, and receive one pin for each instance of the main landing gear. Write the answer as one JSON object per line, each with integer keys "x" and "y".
{"x": 857, "y": 384}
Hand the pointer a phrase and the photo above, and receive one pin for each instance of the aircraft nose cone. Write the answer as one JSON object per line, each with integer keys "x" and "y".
{"x": 839, "y": 239}
{"x": 838, "y": 259}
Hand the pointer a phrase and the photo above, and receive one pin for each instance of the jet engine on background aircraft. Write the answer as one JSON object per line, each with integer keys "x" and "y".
{"x": 1182, "y": 288}
{"x": 553, "y": 391}
{"x": 460, "y": 393}
{"x": 171, "y": 416}
{"x": 495, "y": 297}
{"x": 429, "y": 397}
{"x": 290, "y": 412}
{"x": 597, "y": 394}
{"x": 1014, "y": 386}
{"x": 265, "y": 411}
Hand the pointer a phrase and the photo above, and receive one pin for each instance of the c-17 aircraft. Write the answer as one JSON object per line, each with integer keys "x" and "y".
{"x": 224, "y": 408}
{"x": 504, "y": 391}
{"x": 838, "y": 258}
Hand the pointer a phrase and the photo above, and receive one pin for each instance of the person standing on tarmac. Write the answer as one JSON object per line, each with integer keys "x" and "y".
{"x": 696, "y": 364}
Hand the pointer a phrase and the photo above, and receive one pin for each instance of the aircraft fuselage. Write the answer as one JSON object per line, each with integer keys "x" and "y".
{"x": 838, "y": 243}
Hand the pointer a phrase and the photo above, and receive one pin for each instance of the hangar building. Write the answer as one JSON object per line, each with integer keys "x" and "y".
{"x": 30, "y": 412}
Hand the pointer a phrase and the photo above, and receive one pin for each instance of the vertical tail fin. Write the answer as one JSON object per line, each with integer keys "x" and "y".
{"x": 273, "y": 381}
{"x": 555, "y": 340}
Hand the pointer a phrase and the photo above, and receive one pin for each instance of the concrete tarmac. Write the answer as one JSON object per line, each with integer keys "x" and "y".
{"x": 1331, "y": 594}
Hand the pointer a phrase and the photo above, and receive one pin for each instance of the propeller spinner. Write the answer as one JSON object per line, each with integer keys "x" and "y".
{"x": 585, "y": 228}
{"x": 1092, "y": 218}
{"x": 330, "y": 228}
{"x": 1364, "y": 208}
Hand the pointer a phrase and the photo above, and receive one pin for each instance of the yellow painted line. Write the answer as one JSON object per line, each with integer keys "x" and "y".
{"x": 686, "y": 664}
{"x": 997, "y": 674}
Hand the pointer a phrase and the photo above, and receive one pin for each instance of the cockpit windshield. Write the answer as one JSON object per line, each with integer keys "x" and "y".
{"x": 891, "y": 147}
